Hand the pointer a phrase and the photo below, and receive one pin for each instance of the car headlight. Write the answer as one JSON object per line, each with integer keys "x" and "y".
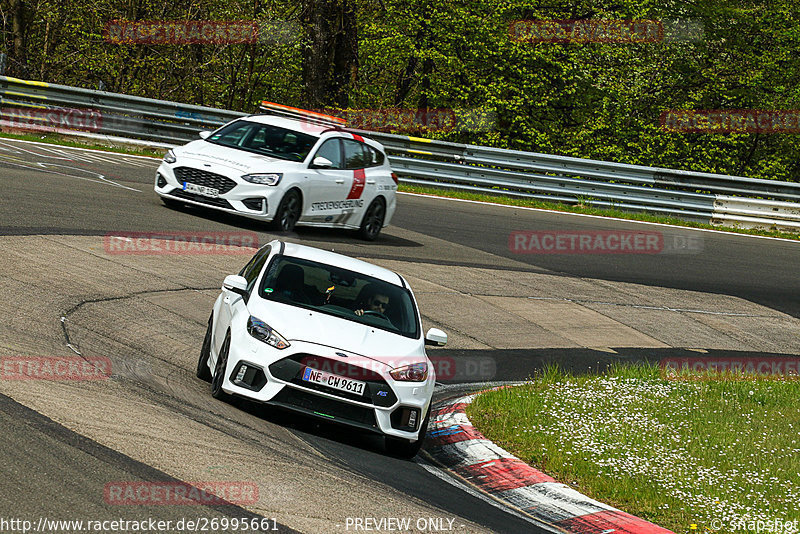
{"x": 263, "y": 332}
{"x": 169, "y": 157}
{"x": 417, "y": 372}
{"x": 270, "y": 178}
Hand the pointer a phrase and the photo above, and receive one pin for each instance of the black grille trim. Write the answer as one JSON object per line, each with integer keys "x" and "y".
{"x": 377, "y": 392}
{"x": 201, "y": 177}
{"x": 218, "y": 202}
{"x": 326, "y": 408}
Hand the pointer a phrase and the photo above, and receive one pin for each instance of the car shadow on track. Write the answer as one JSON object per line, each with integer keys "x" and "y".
{"x": 322, "y": 235}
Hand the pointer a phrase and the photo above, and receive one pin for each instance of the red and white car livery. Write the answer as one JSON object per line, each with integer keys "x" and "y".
{"x": 284, "y": 170}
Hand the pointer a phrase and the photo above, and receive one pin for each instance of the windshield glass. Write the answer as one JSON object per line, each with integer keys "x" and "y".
{"x": 264, "y": 139}
{"x": 341, "y": 293}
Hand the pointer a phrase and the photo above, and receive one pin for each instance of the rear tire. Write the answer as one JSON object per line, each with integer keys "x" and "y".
{"x": 373, "y": 219}
{"x": 203, "y": 372}
{"x": 220, "y": 369}
{"x": 288, "y": 212}
{"x": 402, "y": 448}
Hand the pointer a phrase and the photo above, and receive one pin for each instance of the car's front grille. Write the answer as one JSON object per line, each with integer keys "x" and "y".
{"x": 325, "y": 407}
{"x": 200, "y": 177}
{"x": 218, "y": 202}
{"x": 377, "y": 392}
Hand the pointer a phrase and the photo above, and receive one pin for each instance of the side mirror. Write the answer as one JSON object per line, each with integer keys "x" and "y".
{"x": 235, "y": 283}
{"x": 321, "y": 163}
{"x": 436, "y": 337}
{"x": 204, "y": 134}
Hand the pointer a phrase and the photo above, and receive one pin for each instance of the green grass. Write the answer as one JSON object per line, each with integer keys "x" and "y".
{"x": 588, "y": 210}
{"x": 707, "y": 452}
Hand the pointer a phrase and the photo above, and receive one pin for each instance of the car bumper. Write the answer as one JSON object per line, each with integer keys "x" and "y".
{"x": 250, "y": 200}
{"x": 261, "y": 373}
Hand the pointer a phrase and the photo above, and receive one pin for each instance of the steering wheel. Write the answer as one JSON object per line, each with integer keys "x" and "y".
{"x": 376, "y": 314}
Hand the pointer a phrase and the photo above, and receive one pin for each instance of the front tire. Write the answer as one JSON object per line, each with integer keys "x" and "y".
{"x": 220, "y": 369}
{"x": 373, "y": 219}
{"x": 288, "y": 212}
{"x": 203, "y": 372}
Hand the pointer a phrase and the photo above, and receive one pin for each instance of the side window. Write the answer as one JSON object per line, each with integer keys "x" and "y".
{"x": 254, "y": 267}
{"x": 355, "y": 157}
{"x": 374, "y": 157}
{"x": 330, "y": 150}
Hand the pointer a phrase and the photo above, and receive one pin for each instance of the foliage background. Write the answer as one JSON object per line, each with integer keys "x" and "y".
{"x": 590, "y": 100}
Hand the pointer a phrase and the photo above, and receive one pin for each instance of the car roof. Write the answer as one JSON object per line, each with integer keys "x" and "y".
{"x": 339, "y": 260}
{"x": 309, "y": 128}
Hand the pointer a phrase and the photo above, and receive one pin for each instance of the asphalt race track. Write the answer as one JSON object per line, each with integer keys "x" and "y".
{"x": 506, "y": 313}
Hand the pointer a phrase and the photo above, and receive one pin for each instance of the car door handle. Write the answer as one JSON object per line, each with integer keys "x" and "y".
{"x": 370, "y": 182}
{"x": 339, "y": 181}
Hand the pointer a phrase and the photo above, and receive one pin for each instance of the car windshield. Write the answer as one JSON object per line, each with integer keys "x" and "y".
{"x": 341, "y": 293}
{"x": 264, "y": 139}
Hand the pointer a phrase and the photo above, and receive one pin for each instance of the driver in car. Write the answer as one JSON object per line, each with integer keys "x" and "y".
{"x": 376, "y": 302}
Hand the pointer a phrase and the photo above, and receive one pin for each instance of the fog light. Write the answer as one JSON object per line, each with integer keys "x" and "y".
{"x": 248, "y": 375}
{"x": 240, "y": 374}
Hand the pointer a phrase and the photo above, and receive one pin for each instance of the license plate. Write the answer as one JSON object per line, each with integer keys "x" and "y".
{"x": 334, "y": 381}
{"x": 200, "y": 190}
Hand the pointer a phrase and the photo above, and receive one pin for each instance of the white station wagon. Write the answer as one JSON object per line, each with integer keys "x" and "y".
{"x": 284, "y": 170}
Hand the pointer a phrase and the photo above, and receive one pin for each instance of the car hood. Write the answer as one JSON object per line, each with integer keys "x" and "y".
{"x": 239, "y": 160}
{"x": 299, "y": 324}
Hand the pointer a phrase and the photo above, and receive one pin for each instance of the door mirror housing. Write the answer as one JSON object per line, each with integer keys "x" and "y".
{"x": 204, "y": 134}
{"x": 321, "y": 163}
{"x": 235, "y": 283}
{"x": 436, "y": 337}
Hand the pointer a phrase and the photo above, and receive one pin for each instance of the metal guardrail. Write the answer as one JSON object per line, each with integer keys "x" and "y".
{"x": 697, "y": 196}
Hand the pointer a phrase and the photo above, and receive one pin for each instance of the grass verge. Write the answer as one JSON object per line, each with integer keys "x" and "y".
{"x": 719, "y": 453}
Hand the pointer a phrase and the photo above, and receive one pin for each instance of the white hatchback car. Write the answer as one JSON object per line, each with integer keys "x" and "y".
{"x": 286, "y": 171}
{"x": 327, "y": 336}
